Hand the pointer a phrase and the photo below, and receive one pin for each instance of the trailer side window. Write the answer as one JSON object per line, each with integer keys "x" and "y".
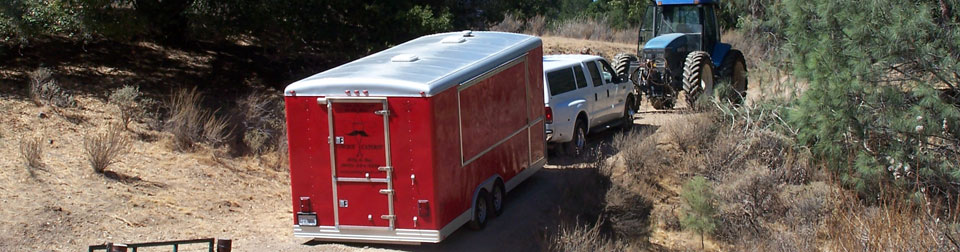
{"x": 561, "y": 81}
{"x": 581, "y": 81}
{"x": 594, "y": 73}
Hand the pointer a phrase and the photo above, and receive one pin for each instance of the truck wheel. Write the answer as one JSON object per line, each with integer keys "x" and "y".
{"x": 621, "y": 63}
{"x": 697, "y": 77}
{"x": 576, "y": 146}
{"x": 497, "y": 198}
{"x": 628, "y": 112}
{"x": 735, "y": 73}
{"x": 481, "y": 210}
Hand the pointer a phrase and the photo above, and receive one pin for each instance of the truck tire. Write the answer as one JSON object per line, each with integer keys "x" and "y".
{"x": 735, "y": 73}
{"x": 628, "y": 112}
{"x": 497, "y": 197}
{"x": 481, "y": 211}
{"x": 576, "y": 146}
{"x": 697, "y": 77}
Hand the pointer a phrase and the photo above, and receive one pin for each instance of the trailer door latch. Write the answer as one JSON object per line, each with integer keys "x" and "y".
{"x": 382, "y": 112}
{"x": 386, "y": 191}
{"x": 343, "y": 203}
{"x": 338, "y": 140}
{"x": 388, "y": 217}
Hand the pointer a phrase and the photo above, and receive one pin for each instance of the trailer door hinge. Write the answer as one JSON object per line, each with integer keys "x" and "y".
{"x": 386, "y": 191}
{"x": 385, "y": 168}
{"x": 388, "y": 217}
{"x": 383, "y": 112}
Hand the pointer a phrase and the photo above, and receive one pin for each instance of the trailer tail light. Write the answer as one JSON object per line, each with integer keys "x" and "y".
{"x": 306, "y": 216}
{"x": 549, "y": 115}
{"x": 305, "y": 205}
{"x": 423, "y": 208}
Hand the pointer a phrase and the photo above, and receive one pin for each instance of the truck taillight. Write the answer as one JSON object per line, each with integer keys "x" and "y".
{"x": 305, "y": 205}
{"x": 549, "y": 114}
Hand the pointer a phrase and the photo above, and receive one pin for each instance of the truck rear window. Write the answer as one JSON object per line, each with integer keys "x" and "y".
{"x": 561, "y": 81}
{"x": 594, "y": 73}
{"x": 581, "y": 81}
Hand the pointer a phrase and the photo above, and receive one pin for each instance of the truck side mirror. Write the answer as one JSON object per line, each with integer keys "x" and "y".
{"x": 607, "y": 77}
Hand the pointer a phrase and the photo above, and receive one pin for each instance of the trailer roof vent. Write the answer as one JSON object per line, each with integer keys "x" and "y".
{"x": 453, "y": 40}
{"x": 406, "y": 57}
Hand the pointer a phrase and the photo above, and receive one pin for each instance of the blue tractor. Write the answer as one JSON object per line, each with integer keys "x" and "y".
{"x": 683, "y": 53}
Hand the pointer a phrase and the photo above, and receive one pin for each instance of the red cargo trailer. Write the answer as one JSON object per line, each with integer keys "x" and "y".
{"x": 411, "y": 143}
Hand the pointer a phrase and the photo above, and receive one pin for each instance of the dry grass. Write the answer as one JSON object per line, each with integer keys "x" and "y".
{"x": 103, "y": 148}
{"x": 893, "y": 227}
{"x": 216, "y": 129}
{"x": 31, "y": 153}
{"x": 262, "y": 121}
{"x": 578, "y": 28}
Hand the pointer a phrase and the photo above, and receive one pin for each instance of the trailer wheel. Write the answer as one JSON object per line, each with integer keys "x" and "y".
{"x": 481, "y": 211}
{"x": 697, "y": 77}
{"x": 576, "y": 146}
{"x": 497, "y": 198}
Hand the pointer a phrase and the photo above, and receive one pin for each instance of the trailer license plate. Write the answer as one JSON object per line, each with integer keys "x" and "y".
{"x": 307, "y": 219}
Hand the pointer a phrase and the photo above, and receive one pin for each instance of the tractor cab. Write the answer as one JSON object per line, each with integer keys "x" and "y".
{"x": 680, "y": 49}
{"x": 697, "y": 21}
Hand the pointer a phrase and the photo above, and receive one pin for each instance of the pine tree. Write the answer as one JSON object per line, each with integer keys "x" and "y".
{"x": 699, "y": 207}
{"x": 881, "y": 109}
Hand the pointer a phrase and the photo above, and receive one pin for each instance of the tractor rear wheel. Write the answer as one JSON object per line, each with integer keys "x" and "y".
{"x": 735, "y": 73}
{"x": 697, "y": 77}
{"x": 621, "y": 64}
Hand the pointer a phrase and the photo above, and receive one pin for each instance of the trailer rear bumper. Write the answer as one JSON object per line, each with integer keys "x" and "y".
{"x": 368, "y": 234}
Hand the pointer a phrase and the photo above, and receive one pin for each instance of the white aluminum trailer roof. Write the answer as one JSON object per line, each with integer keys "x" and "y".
{"x": 429, "y": 64}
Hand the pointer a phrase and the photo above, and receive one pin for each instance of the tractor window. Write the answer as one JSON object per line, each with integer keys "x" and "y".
{"x": 594, "y": 73}
{"x": 581, "y": 81}
{"x": 646, "y": 24}
{"x": 680, "y": 19}
{"x": 561, "y": 81}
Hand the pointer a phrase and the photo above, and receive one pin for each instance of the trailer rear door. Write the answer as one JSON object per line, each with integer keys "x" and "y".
{"x": 363, "y": 188}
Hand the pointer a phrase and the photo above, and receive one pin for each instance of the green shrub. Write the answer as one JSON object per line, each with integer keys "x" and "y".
{"x": 126, "y": 100}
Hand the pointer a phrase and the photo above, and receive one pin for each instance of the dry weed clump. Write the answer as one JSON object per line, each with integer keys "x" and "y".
{"x": 105, "y": 147}
{"x": 31, "y": 152}
{"x": 584, "y": 238}
{"x": 580, "y": 28}
{"x": 45, "y": 90}
{"x": 189, "y": 123}
{"x": 692, "y": 132}
{"x": 126, "y": 100}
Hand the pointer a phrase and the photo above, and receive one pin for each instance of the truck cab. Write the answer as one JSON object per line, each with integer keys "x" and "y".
{"x": 583, "y": 93}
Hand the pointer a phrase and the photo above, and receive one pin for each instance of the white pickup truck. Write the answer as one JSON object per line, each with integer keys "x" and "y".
{"x": 583, "y": 93}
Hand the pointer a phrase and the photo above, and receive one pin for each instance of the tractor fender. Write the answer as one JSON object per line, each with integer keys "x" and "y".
{"x": 719, "y": 52}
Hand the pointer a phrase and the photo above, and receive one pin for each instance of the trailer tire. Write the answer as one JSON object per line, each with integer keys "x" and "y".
{"x": 497, "y": 198}
{"x": 481, "y": 211}
{"x": 576, "y": 146}
{"x": 697, "y": 77}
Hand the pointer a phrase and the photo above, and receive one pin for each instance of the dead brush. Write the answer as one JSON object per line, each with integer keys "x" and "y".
{"x": 45, "y": 90}
{"x": 104, "y": 148}
{"x": 31, "y": 152}
{"x": 584, "y": 238}
{"x": 261, "y": 120}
